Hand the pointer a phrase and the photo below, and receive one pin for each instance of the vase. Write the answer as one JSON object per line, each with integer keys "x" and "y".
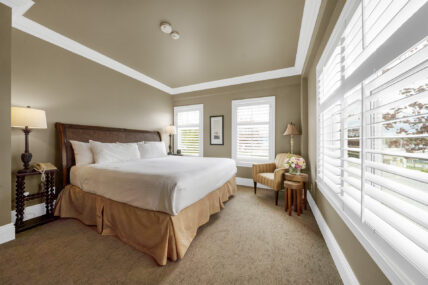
{"x": 293, "y": 170}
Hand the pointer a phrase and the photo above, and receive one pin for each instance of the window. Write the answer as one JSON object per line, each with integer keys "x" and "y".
{"x": 253, "y": 130}
{"x": 189, "y": 123}
{"x": 372, "y": 148}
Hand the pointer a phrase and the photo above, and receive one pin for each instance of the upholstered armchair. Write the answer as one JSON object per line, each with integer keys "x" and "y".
{"x": 272, "y": 174}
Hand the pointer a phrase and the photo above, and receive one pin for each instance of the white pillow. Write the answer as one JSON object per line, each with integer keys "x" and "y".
{"x": 82, "y": 152}
{"x": 114, "y": 152}
{"x": 151, "y": 149}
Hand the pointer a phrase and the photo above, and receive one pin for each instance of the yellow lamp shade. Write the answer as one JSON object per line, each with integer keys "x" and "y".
{"x": 170, "y": 130}
{"x": 291, "y": 130}
{"x": 22, "y": 117}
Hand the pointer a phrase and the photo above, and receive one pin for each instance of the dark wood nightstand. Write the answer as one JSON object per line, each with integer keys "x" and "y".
{"x": 48, "y": 193}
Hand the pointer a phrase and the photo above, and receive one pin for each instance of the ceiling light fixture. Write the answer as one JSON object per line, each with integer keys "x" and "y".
{"x": 175, "y": 35}
{"x": 166, "y": 27}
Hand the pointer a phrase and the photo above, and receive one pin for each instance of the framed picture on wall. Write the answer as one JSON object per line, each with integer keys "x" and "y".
{"x": 217, "y": 130}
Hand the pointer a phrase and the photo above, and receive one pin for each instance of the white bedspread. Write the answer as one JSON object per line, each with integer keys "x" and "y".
{"x": 168, "y": 184}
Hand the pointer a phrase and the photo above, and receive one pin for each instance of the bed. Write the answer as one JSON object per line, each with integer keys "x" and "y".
{"x": 155, "y": 205}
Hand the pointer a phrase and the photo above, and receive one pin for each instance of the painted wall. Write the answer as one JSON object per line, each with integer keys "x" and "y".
{"x": 362, "y": 264}
{"x": 5, "y": 81}
{"x": 72, "y": 89}
{"x": 218, "y": 101}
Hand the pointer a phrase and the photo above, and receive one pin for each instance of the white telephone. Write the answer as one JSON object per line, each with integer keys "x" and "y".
{"x": 42, "y": 167}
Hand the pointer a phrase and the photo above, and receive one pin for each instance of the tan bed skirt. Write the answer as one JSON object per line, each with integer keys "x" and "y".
{"x": 157, "y": 234}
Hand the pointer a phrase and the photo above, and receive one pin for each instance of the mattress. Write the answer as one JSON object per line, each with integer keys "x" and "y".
{"x": 168, "y": 184}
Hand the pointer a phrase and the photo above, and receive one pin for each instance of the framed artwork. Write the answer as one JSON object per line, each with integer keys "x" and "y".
{"x": 217, "y": 130}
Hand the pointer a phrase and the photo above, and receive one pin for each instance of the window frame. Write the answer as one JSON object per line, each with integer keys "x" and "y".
{"x": 248, "y": 102}
{"x": 196, "y": 107}
{"x": 397, "y": 269}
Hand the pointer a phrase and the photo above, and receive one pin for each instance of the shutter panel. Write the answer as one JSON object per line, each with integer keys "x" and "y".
{"x": 373, "y": 139}
{"x": 329, "y": 156}
{"x": 252, "y": 132}
{"x": 189, "y": 126}
{"x": 396, "y": 161}
{"x": 188, "y": 140}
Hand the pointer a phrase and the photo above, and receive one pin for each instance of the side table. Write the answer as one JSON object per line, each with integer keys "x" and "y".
{"x": 48, "y": 193}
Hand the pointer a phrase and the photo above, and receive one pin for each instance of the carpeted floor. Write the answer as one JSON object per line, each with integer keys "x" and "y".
{"x": 251, "y": 241}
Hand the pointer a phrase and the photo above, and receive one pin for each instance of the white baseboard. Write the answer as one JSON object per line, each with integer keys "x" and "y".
{"x": 345, "y": 270}
{"x": 7, "y": 233}
{"x": 249, "y": 182}
{"x": 31, "y": 212}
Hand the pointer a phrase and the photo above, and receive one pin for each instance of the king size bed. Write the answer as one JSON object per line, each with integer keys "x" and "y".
{"x": 154, "y": 204}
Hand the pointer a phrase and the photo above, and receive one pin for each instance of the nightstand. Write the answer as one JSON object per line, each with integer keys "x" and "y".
{"x": 48, "y": 194}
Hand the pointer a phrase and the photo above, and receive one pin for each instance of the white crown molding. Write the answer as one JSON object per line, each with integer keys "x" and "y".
{"x": 310, "y": 15}
{"x": 273, "y": 74}
{"x": 19, "y": 7}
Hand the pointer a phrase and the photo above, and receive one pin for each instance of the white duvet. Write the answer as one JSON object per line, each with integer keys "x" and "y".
{"x": 168, "y": 184}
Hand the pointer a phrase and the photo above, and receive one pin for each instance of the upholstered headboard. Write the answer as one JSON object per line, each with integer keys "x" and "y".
{"x": 83, "y": 133}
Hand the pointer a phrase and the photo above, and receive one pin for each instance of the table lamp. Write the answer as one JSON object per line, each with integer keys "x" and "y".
{"x": 291, "y": 131}
{"x": 27, "y": 118}
{"x": 170, "y": 130}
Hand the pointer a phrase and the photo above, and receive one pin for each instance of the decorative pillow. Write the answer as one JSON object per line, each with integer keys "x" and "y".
{"x": 151, "y": 149}
{"x": 82, "y": 153}
{"x": 114, "y": 152}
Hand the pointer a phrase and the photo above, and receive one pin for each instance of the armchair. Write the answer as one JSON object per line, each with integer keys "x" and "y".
{"x": 272, "y": 174}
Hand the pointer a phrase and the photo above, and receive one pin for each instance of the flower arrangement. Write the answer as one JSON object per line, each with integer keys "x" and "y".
{"x": 295, "y": 164}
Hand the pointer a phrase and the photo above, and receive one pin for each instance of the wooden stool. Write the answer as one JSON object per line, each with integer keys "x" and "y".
{"x": 302, "y": 177}
{"x": 295, "y": 189}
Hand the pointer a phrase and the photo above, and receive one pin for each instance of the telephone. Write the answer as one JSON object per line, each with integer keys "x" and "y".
{"x": 42, "y": 167}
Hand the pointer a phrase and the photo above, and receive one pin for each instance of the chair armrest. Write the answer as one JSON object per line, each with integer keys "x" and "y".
{"x": 278, "y": 176}
{"x": 263, "y": 167}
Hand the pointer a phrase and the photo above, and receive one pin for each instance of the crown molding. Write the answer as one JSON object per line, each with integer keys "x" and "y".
{"x": 310, "y": 15}
{"x": 19, "y": 7}
{"x": 273, "y": 74}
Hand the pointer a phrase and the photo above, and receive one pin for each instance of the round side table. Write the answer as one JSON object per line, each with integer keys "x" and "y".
{"x": 294, "y": 192}
{"x": 303, "y": 178}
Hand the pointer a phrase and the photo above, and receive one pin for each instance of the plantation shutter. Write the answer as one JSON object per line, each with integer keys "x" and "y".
{"x": 253, "y": 130}
{"x": 329, "y": 166}
{"x": 373, "y": 128}
{"x": 396, "y": 157}
{"x": 188, "y": 122}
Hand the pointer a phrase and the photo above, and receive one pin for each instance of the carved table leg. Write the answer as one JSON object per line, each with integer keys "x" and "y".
{"x": 20, "y": 200}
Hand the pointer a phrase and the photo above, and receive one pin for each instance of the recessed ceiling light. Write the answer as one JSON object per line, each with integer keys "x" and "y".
{"x": 175, "y": 35}
{"x": 166, "y": 27}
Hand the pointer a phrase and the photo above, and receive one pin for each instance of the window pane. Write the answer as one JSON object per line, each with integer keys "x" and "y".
{"x": 188, "y": 140}
{"x": 188, "y": 118}
{"x": 253, "y": 142}
{"x": 253, "y": 114}
{"x": 253, "y": 130}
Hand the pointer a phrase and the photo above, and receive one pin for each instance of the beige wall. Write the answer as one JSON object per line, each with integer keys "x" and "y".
{"x": 73, "y": 89}
{"x": 5, "y": 79}
{"x": 362, "y": 264}
{"x": 219, "y": 102}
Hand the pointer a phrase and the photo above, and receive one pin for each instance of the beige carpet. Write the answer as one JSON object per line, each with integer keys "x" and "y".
{"x": 251, "y": 241}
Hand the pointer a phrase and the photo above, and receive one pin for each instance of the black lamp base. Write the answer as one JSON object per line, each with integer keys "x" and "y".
{"x": 26, "y": 156}
{"x": 26, "y": 159}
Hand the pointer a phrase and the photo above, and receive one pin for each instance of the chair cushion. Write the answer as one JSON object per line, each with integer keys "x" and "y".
{"x": 266, "y": 179}
{"x": 267, "y": 175}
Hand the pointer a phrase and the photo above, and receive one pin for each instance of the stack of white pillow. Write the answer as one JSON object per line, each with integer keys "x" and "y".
{"x": 98, "y": 152}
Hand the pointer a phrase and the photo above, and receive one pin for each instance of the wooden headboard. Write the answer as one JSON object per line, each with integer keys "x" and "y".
{"x": 83, "y": 133}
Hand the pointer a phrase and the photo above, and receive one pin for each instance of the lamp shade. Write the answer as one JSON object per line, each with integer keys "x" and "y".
{"x": 170, "y": 130}
{"x": 291, "y": 130}
{"x": 22, "y": 117}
